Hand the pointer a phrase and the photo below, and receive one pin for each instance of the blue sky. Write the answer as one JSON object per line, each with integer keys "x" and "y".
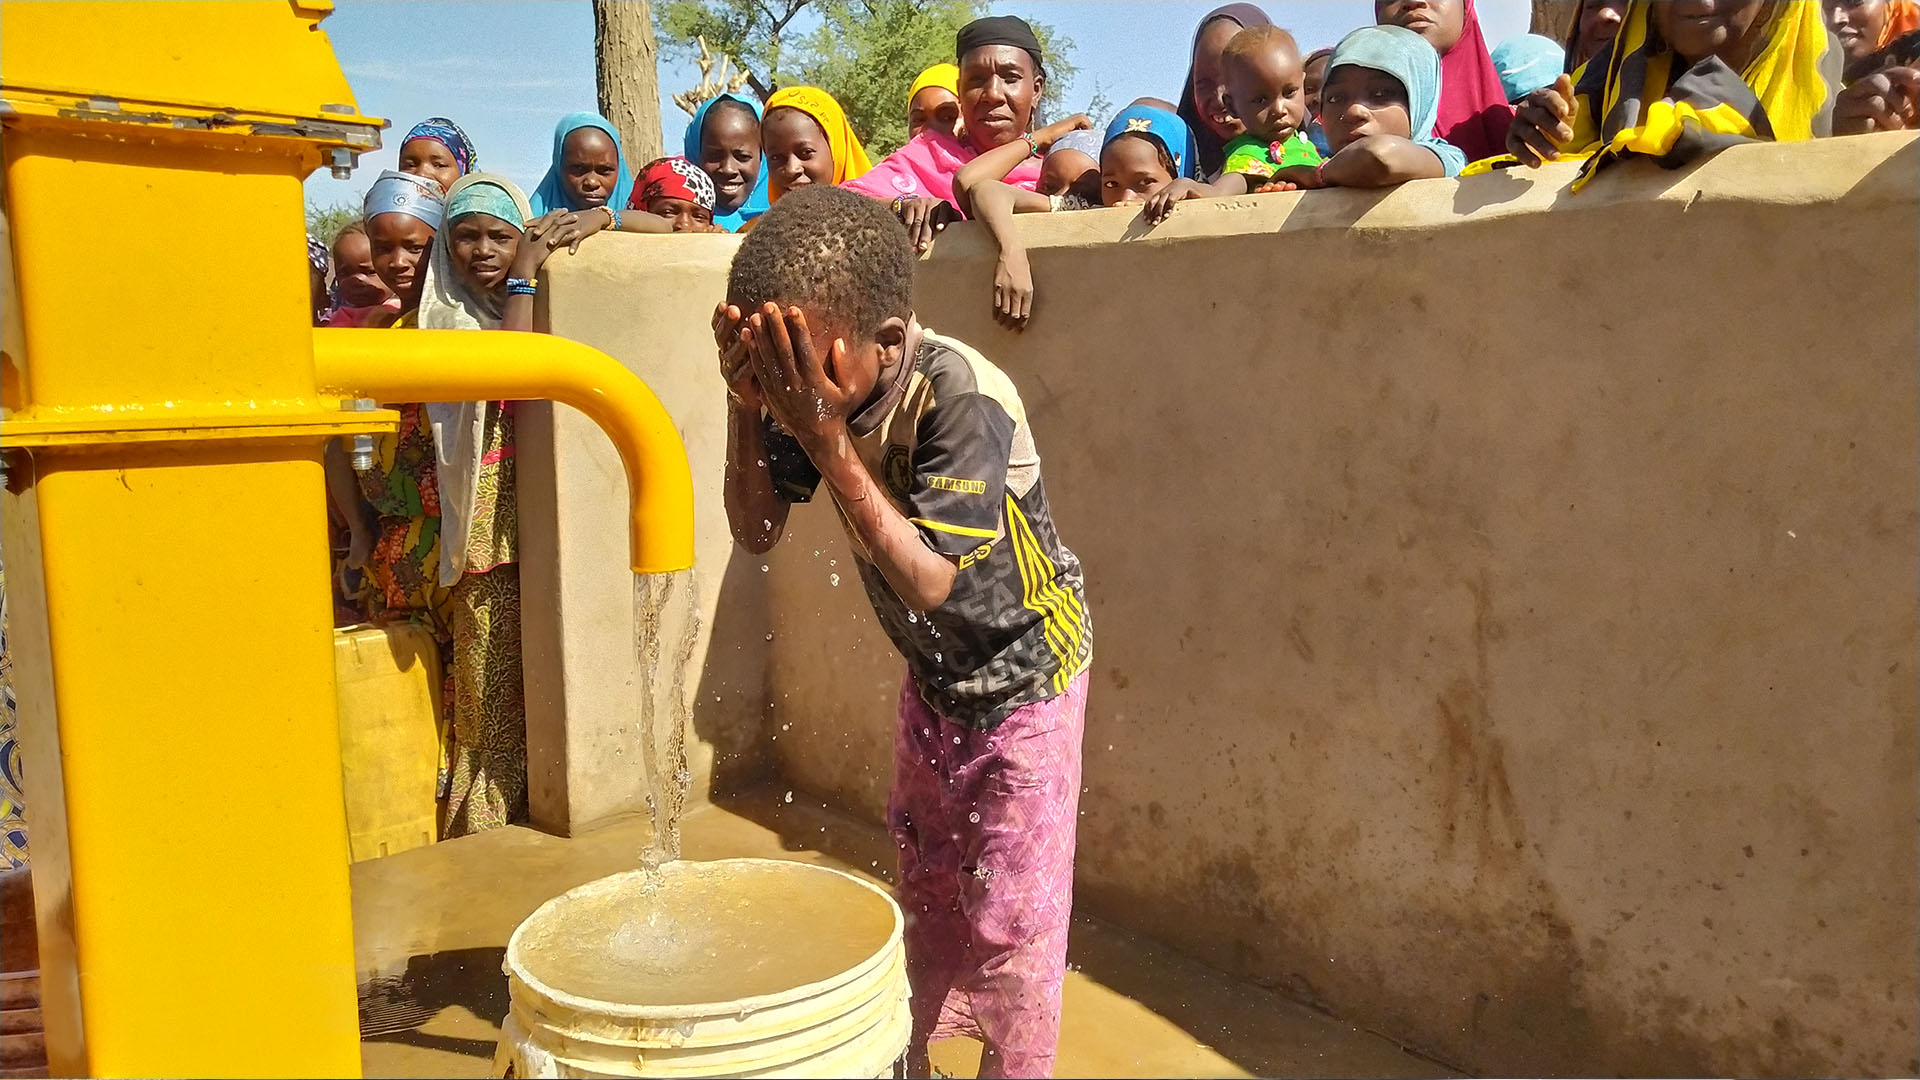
{"x": 507, "y": 71}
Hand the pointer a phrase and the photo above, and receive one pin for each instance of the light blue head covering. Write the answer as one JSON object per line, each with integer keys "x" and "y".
{"x": 1087, "y": 142}
{"x": 485, "y": 193}
{"x": 1172, "y": 132}
{"x": 1527, "y": 63}
{"x": 552, "y": 192}
{"x": 756, "y": 201}
{"x": 1405, "y": 55}
{"x": 405, "y": 193}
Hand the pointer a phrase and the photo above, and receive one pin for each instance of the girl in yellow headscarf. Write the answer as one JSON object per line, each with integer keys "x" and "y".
{"x": 807, "y": 140}
{"x": 934, "y": 101}
{"x": 1675, "y": 88}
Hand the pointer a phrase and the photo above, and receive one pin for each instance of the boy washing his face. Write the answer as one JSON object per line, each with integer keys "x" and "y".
{"x": 924, "y": 449}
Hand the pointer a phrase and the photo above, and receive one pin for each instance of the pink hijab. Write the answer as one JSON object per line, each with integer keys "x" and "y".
{"x": 926, "y": 166}
{"x": 1474, "y": 114}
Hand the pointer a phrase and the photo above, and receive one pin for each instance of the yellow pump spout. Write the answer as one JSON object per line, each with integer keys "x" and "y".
{"x": 455, "y": 365}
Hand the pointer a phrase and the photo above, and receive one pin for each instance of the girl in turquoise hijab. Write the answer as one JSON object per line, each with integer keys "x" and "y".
{"x": 1378, "y": 106}
{"x": 588, "y": 172}
{"x": 730, "y": 155}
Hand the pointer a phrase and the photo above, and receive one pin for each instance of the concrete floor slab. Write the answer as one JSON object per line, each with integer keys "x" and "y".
{"x": 431, "y": 928}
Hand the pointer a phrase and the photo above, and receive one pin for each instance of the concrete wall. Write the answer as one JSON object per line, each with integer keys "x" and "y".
{"x": 638, "y": 299}
{"x": 1504, "y": 600}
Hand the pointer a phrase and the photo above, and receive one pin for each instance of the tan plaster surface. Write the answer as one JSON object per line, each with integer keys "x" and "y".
{"x": 1504, "y": 600}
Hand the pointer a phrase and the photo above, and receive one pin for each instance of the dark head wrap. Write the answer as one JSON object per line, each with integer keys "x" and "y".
{"x": 1208, "y": 145}
{"x": 998, "y": 30}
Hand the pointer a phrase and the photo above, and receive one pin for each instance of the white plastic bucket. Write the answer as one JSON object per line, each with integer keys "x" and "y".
{"x": 820, "y": 969}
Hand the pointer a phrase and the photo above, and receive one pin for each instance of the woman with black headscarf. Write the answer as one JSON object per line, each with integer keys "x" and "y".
{"x": 1203, "y": 101}
{"x": 1002, "y": 77}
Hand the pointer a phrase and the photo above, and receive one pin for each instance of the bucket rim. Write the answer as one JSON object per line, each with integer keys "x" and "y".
{"x": 512, "y": 966}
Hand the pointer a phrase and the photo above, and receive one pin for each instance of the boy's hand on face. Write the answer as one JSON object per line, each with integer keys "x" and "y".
{"x": 742, "y": 386}
{"x": 797, "y": 387}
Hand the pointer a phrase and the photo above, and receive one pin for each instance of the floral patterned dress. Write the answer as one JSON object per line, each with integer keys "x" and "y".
{"x": 488, "y": 782}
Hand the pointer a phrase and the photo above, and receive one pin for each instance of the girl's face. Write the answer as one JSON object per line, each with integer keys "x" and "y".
{"x": 1312, "y": 77}
{"x": 1130, "y": 171}
{"x": 998, "y": 89}
{"x": 797, "y": 151}
{"x": 399, "y": 244}
{"x": 431, "y": 159}
{"x": 1698, "y": 29}
{"x": 1599, "y": 22}
{"x": 483, "y": 248}
{"x": 1210, "y": 81}
{"x": 933, "y": 107}
{"x": 686, "y": 216}
{"x": 1070, "y": 170}
{"x": 730, "y": 154}
{"x": 589, "y": 167}
{"x": 1359, "y": 101}
{"x": 1858, "y": 24}
{"x": 360, "y": 284}
{"x": 1441, "y": 22}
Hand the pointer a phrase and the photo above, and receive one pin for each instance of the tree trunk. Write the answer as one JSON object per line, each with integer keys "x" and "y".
{"x": 1554, "y": 19}
{"x": 626, "y": 58}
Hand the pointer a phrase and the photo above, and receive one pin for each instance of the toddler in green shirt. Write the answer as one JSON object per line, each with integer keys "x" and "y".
{"x": 1266, "y": 89}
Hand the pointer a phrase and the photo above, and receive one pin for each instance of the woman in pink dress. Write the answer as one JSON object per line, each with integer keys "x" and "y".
{"x": 1002, "y": 77}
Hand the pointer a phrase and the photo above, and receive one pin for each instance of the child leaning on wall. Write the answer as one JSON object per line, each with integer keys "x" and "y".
{"x": 1146, "y": 148}
{"x": 1266, "y": 89}
{"x": 925, "y": 452}
{"x": 1378, "y": 107}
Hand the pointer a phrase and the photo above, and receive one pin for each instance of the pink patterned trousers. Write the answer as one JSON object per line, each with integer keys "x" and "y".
{"x": 985, "y": 825}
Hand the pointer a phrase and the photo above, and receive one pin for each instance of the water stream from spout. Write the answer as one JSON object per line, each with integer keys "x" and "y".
{"x": 666, "y": 609}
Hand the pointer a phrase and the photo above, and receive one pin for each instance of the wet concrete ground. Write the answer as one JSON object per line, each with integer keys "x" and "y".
{"x": 431, "y": 927}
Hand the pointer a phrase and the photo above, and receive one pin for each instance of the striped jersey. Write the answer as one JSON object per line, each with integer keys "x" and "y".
{"x": 949, "y": 443}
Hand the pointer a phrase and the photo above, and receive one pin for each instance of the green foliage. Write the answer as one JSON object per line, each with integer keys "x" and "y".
{"x": 325, "y": 222}
{"x": 866, "y": 53}
{"x": 753, "y": 32}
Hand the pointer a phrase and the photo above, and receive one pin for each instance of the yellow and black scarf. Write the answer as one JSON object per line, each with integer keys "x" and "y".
{"x": 1631, "y": 100}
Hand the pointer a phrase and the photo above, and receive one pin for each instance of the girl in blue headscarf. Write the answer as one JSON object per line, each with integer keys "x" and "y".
{"x": 588, "y": 172}
{"x": 1378, "y": 106}
{"x": 723, "y": 138}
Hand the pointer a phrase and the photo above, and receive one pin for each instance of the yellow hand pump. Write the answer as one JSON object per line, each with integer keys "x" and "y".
{"x": 165, "y": 528}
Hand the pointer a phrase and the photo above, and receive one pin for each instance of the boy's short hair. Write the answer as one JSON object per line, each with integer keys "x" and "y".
{"x": 838, "y": 253}
{"x": 1255, "y": 40}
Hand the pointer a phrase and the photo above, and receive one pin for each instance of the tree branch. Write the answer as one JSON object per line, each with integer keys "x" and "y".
{"x": 794, "y": 8}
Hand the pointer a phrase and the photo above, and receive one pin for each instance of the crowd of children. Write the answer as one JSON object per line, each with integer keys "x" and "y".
{"x": 921, "y": 443}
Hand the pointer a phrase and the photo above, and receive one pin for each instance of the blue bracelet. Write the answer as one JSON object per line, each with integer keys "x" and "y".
{"x": 518, "y": 286}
